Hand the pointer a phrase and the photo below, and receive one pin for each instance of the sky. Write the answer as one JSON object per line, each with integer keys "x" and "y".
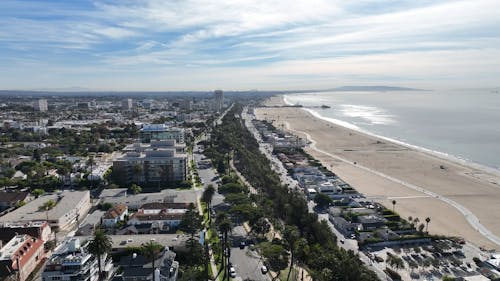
{"x": 158, "y": 45}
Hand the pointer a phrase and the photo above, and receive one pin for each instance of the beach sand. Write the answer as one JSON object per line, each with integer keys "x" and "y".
{"x": 476, "y": 190}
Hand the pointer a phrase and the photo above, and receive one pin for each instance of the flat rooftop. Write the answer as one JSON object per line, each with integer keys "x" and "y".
{"x": 66, "y": 201}
{"x": 116, "y": 196}
{"x": 11, "y": 247}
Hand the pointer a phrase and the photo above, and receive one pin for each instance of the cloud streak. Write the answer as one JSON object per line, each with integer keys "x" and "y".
{"x": 254, "y": 43}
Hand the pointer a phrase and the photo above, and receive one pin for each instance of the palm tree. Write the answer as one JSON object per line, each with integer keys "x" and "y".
{"x": 393, "y": 205}
{"x": 207, "y": 197}
{"x": 152, "y": 251}
{"x": 291, "y": 236}
{"x": 225, "y": 227}
{"x": 100, "y": 245}
{"x": 427, "y": 221}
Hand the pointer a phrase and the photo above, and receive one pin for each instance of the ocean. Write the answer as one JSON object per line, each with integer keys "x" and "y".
{"x": 463, "y": 124}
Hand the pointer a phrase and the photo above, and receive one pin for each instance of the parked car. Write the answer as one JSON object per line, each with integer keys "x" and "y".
{"x": 232, "y": 272}
{"x": 242, "y": 245}
{"x": 263, "y": 269}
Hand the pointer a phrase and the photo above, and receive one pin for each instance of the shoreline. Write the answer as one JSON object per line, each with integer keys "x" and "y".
{"x": 388, "y": 170}
{"x": 442, "y": 155}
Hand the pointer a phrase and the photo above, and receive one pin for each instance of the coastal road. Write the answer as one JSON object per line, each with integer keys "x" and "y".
{"x": 469, "y": 216}
{"x": 246, "y": 262}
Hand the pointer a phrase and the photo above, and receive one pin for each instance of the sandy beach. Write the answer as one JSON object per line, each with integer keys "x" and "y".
{"x": 423, "y": 185}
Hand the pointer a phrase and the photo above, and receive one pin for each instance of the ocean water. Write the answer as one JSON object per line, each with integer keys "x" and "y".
{"x": 464, "y": 125}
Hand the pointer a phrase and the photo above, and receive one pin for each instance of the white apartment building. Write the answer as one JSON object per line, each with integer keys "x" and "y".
{"x": 71, "y": 206}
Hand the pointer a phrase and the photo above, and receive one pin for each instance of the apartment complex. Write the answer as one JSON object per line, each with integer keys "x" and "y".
{"x": 151, "y": 166}
{"x": 20, "y": 256}
{"x": 161, "y": 132}
{"x": 71, "y": 206}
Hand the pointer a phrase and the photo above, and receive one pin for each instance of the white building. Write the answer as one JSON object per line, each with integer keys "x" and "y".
{"x": 71, "y": 206}
{"x": 161, "y": 132}
{"x": 72, "y": 262}
{"x": 40, "y": 105}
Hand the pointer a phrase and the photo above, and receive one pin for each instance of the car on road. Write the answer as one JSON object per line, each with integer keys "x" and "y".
{"x": 342, "y": 241}
{"x": 232, "y": 272}
{"x": 263, "y": 269}
{"x": 242, "y": 245}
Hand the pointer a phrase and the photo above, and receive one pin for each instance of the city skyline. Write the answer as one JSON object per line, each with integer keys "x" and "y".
{"x": 197, "y": 45}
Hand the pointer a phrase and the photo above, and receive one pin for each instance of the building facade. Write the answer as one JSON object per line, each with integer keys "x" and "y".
{"x": 36, "y": 229}
{"x": 72, "y": 262}
{"x": 20, "y": 256}
{"x": 161, "y": 132}
{"x": 218, "y": 100}
{"x": 127, "y": 104}
{"x": 151, "y": 167}
{"x": 41, "y": 105}
{"x": 71, "y": 206}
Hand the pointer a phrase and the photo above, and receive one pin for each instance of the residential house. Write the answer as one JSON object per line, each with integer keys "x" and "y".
{"x": 114, "y": 215}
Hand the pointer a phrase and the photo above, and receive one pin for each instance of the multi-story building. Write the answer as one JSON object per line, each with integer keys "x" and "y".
{"x": 72, "y": 262}
{"x": 40, "y": 105}
{"x": 161, "y": 132}
{"x": 20, "y": 256}
{"x": 71, "y": 206}
{"x": 151, "y": 166}
{"x": 36, "y": 229}
{"x": 218, "y": 100}
{"x": 127, "y": 104}
{"x": 156, "y": 144}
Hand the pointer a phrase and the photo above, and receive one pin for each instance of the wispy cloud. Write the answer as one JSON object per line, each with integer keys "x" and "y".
{"x": 250, "y": 43}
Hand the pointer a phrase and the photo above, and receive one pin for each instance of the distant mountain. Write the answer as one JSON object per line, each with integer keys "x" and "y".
{"x": 372, "y": 89}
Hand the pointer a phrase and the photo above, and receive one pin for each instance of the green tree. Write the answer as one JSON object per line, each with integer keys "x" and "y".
{"x": 207, "y": 196}
{"x": 322, "y": 200}
{"x": 191, "y": 221}
{"x": 276, "y": 256}
{"x": 261, "y": 227}
{"x": 152, "y": 251}
{"x": 47, "y": 206}
{"x": 135, "y": 189}
{"x": 100, "y": 245}
{"x": 37, "y": 192}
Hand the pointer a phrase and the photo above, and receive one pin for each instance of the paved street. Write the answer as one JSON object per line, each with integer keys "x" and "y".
{"x": 246, "y": 262}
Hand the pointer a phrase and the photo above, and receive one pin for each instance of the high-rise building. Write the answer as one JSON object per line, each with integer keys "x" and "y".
{"x": 219, "y": 100}
{"x": 127, "y": 104}
{"x": 40, "y": 105}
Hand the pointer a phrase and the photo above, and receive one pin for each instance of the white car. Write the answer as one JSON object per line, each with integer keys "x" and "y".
{"x": 232, "y": 272}
{"x": 263, "y": 269}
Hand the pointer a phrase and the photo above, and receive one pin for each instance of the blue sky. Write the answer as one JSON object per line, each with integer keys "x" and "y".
{"x": 242, "y": 44}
